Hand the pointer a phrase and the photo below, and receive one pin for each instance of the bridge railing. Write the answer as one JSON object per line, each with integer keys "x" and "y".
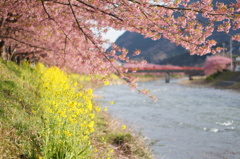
{"x": 190, "y": 71}
{"x": 165, "y": 69}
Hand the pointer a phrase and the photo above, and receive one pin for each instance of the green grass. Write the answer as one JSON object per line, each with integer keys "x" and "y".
{"x": 224, "y": 76}
{"x": 220, "y": 76}
{"x": 17, "y": 97}
{"x": 235, "y": 86}
{"x": 19, "y": 125}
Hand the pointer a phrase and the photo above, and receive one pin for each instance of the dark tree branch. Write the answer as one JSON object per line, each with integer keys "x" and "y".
{"x": 181, "y": 9}
{"x": 25, "y": 43}
{"x": 67, "y": 4}
{"x": 189, "y": 9}
{"x": 110, "y": 14}
{"x": 78, "y": 24}
{"x": 12, "y": 18}
{"x": 45, "y": 9}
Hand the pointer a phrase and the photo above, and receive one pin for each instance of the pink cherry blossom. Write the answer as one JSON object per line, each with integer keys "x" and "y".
{"x": 69, "y": 32}
{"x": 217, "y": 63}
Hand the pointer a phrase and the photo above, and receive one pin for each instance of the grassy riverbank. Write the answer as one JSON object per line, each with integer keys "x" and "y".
{"x": 221, "y": 80}
{"x": 43, "y": 116}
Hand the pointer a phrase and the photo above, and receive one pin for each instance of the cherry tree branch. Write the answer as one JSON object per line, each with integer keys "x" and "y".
{"x": 22, "y": 42}
{"x": 111, "y": 14}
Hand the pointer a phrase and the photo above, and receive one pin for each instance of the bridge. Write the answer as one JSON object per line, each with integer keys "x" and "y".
{"x": 167, "y": 69}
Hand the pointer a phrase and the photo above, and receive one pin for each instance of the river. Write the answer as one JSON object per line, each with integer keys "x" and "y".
{"x": 186, "y": 122}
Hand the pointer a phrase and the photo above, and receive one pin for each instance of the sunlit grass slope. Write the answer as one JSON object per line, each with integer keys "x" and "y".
{"x": 220, "y": 79}
{"x": 18, "y": 95}
{"x": 46, "y": 113}
{"x": 43, "y": 114}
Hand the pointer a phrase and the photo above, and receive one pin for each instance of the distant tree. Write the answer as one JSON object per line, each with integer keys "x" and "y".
{"x": 216, "y": 64}
{"x": 69, "y": 31}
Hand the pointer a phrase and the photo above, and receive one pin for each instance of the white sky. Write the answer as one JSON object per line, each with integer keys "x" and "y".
{"x": 112, "y": 35}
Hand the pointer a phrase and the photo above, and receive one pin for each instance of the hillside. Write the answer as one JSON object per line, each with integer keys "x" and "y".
{"x": 152, "y": 51}
{"x": 163, "y": 52}
{"x": 186, "y": 60}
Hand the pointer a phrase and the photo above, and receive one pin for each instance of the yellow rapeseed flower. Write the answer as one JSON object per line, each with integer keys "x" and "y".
{"x": 111, "y": 102}
{"x": 106, "y": 83}
{"x": 75, "y": 84}
{"x": 91, "y": 130}
{"x": 73, "y": 104}
{"x": 92, "y": 116}
{"x": 97, "y": 108}
{"x": 91, "y": 124}
{"x": 67, "y": 133}
{"x": 124, "y": 126}
{"x": 89, "y": 91}
{"x": 72, "y": 121}
{"x": 67, "y": 108}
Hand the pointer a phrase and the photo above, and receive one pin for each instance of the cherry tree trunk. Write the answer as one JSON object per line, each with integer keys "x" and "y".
{"x": 3, "y": 52}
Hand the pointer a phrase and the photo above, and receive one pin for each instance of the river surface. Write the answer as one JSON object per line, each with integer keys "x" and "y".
{"x": 186, "y": 122}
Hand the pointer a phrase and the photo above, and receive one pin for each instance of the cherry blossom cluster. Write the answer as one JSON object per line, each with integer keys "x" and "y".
{"x": 69, "y": 31}
{"x": 215, "y": 64}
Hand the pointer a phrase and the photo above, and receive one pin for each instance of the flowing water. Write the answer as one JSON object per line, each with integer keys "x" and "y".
{"x": 187, "y": 122}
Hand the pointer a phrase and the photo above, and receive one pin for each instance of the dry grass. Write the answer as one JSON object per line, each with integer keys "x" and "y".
{"x": 215, "y": 81}
{"x": 123, "y": 143}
